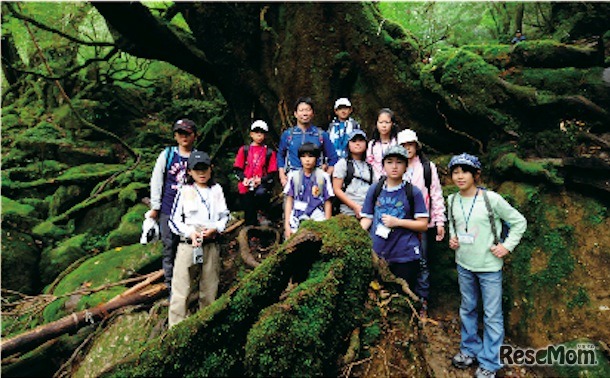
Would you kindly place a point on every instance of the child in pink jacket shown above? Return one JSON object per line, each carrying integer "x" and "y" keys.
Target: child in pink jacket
{"x": 418, "y": 168}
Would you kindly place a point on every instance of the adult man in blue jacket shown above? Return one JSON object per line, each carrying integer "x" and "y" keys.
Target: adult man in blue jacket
{"x": 304, "y": 131}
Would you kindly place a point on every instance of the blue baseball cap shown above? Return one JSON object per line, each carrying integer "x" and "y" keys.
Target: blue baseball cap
{"x": 355, "y": 133}
{"x": 465, "y": 159}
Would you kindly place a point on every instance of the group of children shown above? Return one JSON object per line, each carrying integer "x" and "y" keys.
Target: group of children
{"x": 386, "y": 182}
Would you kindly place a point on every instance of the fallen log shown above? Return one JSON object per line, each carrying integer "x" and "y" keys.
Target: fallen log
{"x": 33, "y": 338}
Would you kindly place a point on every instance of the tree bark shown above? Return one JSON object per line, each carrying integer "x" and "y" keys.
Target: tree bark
{"x": 263, "y": 55}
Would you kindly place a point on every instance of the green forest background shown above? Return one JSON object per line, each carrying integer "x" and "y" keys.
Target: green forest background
{"x": 86, "y": 110}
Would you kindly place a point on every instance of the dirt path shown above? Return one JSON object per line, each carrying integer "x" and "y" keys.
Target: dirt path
{"x": 438, "y": 343}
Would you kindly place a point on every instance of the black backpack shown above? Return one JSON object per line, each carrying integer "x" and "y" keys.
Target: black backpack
{"x": 350, "y": 174}
{"x": 408, "y": 190}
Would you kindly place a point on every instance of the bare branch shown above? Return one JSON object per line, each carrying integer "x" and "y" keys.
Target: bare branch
{"x": 50, "y": 29}
{"x": 88, "y": 62}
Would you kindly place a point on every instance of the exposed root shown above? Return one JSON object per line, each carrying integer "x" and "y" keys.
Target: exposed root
{"x": 244, "y": 246}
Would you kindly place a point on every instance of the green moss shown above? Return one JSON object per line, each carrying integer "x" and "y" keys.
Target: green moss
{"x": 496, "y": 55}
{"x": 595, "y": 212}
{"x": 49, "y": 231}
{"x": 599, "y": 370}
{"x": 117, "y": 341}
{"x": 104, "y": 268}
{"x": 54, "y": 261}
{"x": 19, "y": 262}
{"x": 509, "y": 164}
{"x": 129, "y": 194}
{"x": 580, "y": 299}
{"x": 18, "y": 215}
{"x": 101, "y": 219}
{"x": 129, "y": 229}
{"x": 64, "y": 198}
{"x": 328, "y": 303}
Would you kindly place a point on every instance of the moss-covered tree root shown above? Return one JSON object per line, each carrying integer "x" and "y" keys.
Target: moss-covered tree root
{"x": 251, "y": 331}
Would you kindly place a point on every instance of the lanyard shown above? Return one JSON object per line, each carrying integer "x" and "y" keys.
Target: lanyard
{"x": 467, "y": 218}
{"x": 205, "y": 203}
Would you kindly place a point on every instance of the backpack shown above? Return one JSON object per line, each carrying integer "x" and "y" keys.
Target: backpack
{"x": 350, "y": 174}
{"x": 408, "y": 187}
{"x": 267, "y": 157}
{"x": 317, "y": 174}
{"x": 289, "y": 140}
{"x": 505, "y": 225}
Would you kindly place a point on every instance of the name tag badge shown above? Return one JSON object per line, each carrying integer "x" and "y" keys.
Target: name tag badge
{"x": 300, "y": 205}
{"x": 382, "y": 231}
{"x": 465, "y": 238}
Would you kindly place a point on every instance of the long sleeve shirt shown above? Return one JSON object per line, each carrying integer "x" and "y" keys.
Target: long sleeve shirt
{"x": 162, "y": 192}
{"x": 199, "y": 207}
{"x": 415, "y": 175}
{"x": 293, "y": 138}
{"x": 338, "y": 132}
{"x": 473, "y": 219}
{"x": 374, "y": 155}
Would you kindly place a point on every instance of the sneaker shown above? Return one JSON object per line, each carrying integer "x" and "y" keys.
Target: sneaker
{"x": 462, "y": 361}
{"x": 484, "y": 373}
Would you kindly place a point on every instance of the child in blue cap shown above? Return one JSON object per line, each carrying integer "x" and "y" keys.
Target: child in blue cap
{"x": 475, "y": 215}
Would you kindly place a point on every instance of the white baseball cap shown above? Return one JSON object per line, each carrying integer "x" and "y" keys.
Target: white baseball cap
{"x": 258, "y": 124}
{"x": 407, "y": 135}
{"x": 342, "y": 102}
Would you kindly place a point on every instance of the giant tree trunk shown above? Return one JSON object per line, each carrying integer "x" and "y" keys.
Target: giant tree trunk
{"x": 264, "y": 56}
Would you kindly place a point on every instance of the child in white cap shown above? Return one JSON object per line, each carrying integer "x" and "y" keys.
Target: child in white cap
{"x": 341, "y": 126}
{"x": 256, "y": 167}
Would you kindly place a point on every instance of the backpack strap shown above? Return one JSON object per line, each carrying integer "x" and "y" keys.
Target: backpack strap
{"x": 411, "y": 198}
{"x": 408, "y": 188}
{"x": 349, "y": 176}
{"x": 490, "y": 213}
{"x": 317, "y": 176}
{"x": 378, "y": 188}
{"x": 427, "y": 177}
{"x": 169, "y": 156}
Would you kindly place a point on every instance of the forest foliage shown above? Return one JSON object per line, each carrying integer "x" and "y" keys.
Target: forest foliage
{"x": 83, "y": 121}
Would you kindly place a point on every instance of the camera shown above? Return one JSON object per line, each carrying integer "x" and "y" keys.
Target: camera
{"x": 251, "y": 185}
{"x": 198, "y": 254}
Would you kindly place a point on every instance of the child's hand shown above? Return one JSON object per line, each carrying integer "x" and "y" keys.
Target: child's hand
{"x": 287, "y": 234}
{"x": 257, "y": 181}
{"x": 454, "y": 243}
{"x": 440, "y": 232}
{"x": 357, "y": 209}
{"x": 499, "y": 250}
{"x": 389, "y": 221}
{"x": 246, "y": 182}
{"x": 209, "y": 233}
{"x": 194, "y": 237}
{"x": 283, "y": 178}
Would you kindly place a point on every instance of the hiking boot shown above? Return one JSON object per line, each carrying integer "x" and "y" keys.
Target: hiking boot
{"x": 462, "y": 361}
{"x": 484, "y": 373}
